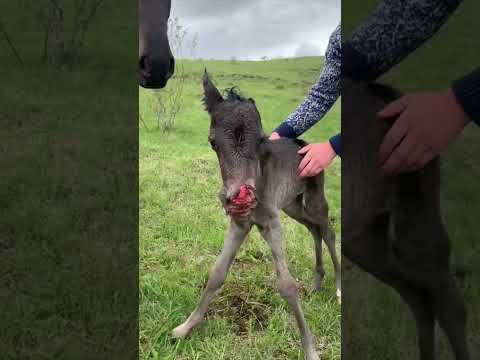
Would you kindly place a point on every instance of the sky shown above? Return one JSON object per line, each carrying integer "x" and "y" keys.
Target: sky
{"x": 252, "y": 29}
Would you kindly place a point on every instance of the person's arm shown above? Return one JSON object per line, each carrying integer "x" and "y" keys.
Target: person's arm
{"x": 317, "y": 157}
{"x": 467, "y": 92}
{"x": 336, "y": 144}
{"x": 390, "y": 33}
{"x": 322, "y": 96}
{"x": 427, "y": 123}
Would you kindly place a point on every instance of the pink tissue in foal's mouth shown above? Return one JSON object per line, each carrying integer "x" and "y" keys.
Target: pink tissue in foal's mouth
{"x": 245, "y": 196}
{"x": 243, "y": 202}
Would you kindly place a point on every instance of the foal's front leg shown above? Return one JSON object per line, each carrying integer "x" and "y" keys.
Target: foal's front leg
{"x": 272, "y": 233}
{"x": 234, "y": 239}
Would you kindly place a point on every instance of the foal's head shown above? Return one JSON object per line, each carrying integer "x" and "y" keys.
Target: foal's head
{"x": 235, "y": 135}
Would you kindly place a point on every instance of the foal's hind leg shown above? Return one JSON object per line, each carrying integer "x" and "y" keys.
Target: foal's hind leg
{"x": 316, "y": 208}
{"x": 432, "y": 270}
{"x": 329, "y": 237}
{"x": 371, "y": 251}
{"x": 451, "y": 313}
{"x": 419, "y": 304}
{"x": 287, "y": 286}
{"x": 319, "y": 268}
{"x": 297, "y": 212}
{"x": 324, "y": 231}
{"x": 320, "y": 229}
{"x": 234, "y": 239}
{"x": 437, "y": 299}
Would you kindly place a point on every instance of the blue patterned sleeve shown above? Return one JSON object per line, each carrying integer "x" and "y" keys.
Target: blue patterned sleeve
{"x": 391, "y": 32}
{"x": 322, "y": 96}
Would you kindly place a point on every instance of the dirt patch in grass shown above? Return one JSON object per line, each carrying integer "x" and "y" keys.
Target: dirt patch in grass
{"x": 236, "y": 304}
{"x": 251, "y": 259}
{"x": 244, "y": 306}
{"x": 240, "y": 304}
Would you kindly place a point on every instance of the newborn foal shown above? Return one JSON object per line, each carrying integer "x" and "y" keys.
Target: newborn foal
{"x": 259, "y": 180}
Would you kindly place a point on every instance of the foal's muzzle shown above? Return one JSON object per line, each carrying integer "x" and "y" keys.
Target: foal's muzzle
{"x": 242, "y": 203}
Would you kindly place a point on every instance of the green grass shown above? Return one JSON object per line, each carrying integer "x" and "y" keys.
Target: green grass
{"x": 68, "y": 217}
{"x": 182, "y": 227}
{"x": 384, "y": 329}
{"x": 68, "y": 228}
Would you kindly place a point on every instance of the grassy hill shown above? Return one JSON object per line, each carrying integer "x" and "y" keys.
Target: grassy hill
{"x": 182, "y": 227}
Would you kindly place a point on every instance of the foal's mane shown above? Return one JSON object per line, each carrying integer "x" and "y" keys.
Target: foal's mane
{"x": 233, "y": 94}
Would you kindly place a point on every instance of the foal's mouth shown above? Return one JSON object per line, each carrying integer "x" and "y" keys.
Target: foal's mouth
{"x": 242, "y": 204}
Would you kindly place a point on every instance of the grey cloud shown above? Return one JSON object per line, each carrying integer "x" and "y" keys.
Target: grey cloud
{"x": 252, "y": 29}
{"x": 307, "y": 49}
{"x": 209, "y": 8}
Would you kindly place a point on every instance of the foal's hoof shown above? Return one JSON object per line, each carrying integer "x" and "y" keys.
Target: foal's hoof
{"x": 318, "y": 284}
{"x": 312, "y": 355}
{"x": 180, "y": 332}
{"x": 310, "y": 348}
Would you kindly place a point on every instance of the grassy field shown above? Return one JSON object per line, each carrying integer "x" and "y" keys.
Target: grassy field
{"x": 182, "y": 227}
{"x": 384, "y": 329}
{"x": 68, "y": 216}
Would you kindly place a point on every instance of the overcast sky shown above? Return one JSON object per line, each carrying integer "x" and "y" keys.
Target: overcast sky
{"x": 251, "y": 29}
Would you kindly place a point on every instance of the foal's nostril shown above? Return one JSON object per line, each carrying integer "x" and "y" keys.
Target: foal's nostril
{"x": 232, "y": 194}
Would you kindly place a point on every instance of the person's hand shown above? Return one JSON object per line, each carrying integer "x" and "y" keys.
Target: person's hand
{"x": 317, "y": 158}
{"x": 274, "y": 136}
{"x": 427, "y": 123}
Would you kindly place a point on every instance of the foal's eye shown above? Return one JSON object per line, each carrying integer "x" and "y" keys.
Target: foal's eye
{"x": 212, "y": 143}
{"x": 238, "y": 134}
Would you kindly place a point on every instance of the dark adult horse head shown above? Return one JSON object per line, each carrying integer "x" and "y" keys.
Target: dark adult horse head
{"x": 156, "y": 62}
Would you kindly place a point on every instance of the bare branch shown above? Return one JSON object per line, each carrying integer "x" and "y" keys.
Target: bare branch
{"x": 58, "y": 8}
{"x": 143, "y": 122}
{"x": 76, "y": 24}
{"x": 94, "y": 10}
{"x": 81, "y": 27}
{"x": 10, "y": 43}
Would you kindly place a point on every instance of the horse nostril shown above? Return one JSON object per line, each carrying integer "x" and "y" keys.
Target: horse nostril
{"x": 171, "y": 69}
{"x": 144, "y": 65}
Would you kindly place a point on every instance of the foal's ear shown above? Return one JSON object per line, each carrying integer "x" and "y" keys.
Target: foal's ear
{"x": 212, "y": 96}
